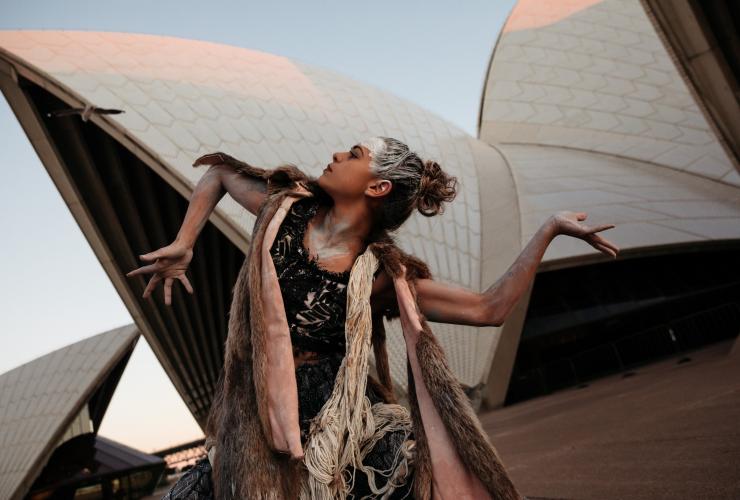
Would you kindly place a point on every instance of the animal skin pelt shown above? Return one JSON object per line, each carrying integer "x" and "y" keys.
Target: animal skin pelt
{"x": 454, "y": 461}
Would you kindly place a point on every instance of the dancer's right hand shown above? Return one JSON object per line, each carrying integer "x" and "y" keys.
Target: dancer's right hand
{"x": 170, "y": 264}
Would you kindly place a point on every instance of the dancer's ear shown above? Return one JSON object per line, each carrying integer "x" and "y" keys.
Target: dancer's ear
{"x": 378, "y": 187}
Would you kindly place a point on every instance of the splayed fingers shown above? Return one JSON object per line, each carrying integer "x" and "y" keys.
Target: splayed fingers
{"x": 169, "y": 278}
{"x": 170, "y": 264}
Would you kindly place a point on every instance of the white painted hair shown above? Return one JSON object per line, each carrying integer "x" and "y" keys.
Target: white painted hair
{"x": 388, "y": 160}
{"x": 416, "y": 183}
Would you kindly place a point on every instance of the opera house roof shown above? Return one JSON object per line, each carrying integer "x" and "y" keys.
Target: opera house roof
{"x": 591, "y": 113}
{"x": 54, "y": 397}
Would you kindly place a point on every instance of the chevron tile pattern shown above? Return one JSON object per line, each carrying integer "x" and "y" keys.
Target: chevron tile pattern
{"x": 594, "y": 75}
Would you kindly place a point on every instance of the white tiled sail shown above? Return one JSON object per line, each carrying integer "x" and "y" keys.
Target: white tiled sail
{"x": 591, "y": 114}
{"x": 41, "y": 398}
{"x": 650, "y": 205}
{"x": 594, "y": 75}
{"x": 183, "y": 98}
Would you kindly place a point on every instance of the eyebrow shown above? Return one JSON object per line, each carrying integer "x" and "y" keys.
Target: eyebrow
{"x": 362, "y": 153}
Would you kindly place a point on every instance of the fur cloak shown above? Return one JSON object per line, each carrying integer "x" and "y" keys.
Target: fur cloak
{"x": 454, "y": 457}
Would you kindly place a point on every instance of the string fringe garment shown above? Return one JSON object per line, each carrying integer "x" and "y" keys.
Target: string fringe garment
{"x": 348, "y": 425}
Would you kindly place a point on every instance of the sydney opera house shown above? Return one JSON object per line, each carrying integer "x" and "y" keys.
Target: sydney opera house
{"x": 624, "y": 109}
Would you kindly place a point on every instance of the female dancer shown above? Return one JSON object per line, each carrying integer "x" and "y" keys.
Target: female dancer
{"x": 362, "y": 196}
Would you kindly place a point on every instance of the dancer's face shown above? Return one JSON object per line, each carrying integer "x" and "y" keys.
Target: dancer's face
{"x": 349, "y": 176}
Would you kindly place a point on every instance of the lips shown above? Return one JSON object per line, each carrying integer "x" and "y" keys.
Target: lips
{"x": 328, "y": 167}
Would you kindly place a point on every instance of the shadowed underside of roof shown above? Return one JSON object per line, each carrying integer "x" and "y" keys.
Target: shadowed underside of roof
{"x": 90, "y": 458}
{"x": 135, "y": 211}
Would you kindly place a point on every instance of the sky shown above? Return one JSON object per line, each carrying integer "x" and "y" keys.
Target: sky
{"x": 53, "y": 290}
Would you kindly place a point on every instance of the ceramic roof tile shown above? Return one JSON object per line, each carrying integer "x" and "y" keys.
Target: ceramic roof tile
{"x": 594, "y": 75}
{"x": 41, "y": 396}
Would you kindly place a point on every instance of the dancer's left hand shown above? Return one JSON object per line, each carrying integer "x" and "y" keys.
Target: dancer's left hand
{"x": 569, "y": 223}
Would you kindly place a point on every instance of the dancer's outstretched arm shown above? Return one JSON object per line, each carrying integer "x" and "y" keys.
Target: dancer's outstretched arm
{"x": 219, "y": 179}
{"x": 445, "y": 303}
{"x": 171, "y": 262}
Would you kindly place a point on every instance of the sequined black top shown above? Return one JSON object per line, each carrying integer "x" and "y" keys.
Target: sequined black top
{"x": 315, "y": 298}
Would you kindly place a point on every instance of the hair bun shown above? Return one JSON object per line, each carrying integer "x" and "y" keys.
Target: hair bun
{"x": 435, "y": 188}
